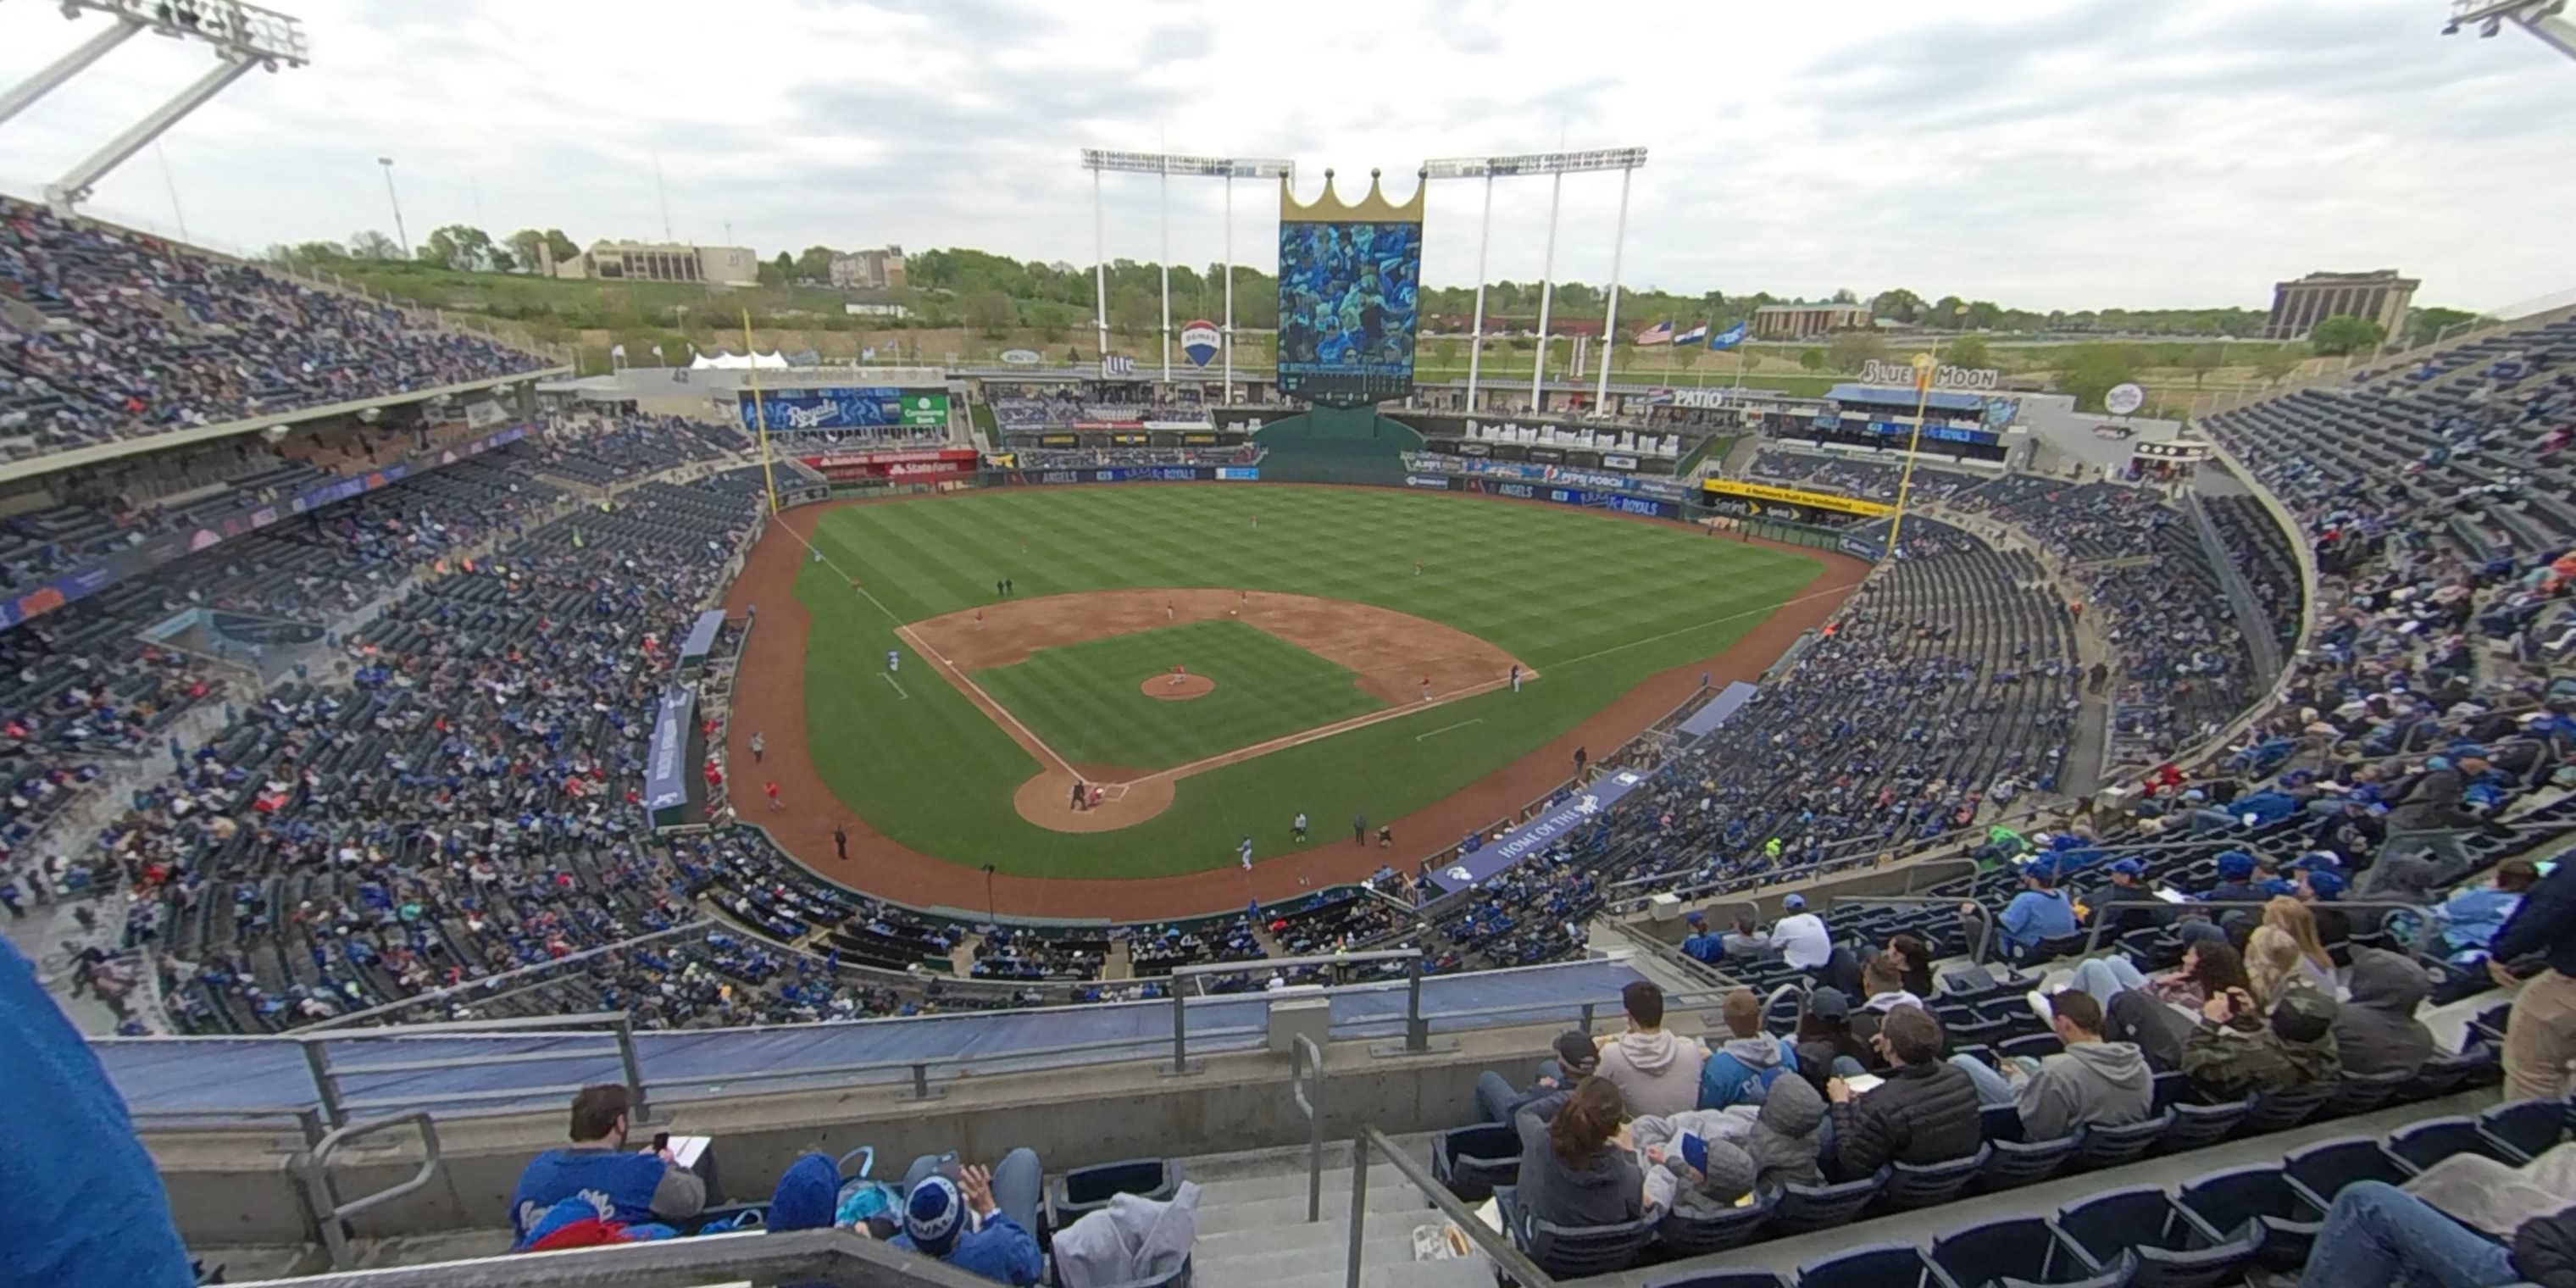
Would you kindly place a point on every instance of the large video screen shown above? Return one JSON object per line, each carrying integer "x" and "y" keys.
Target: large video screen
{"x": 1347, "y": 310}
{"x": 876, "y": 407}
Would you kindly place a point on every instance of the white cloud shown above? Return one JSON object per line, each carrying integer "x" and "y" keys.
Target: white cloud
{"x": 2046, "y": 153}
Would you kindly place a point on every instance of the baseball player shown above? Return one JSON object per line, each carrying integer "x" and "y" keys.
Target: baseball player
{"x": 894, "y": 659}
{"x": 758, "y": 745}
{"x": 1167, "y": 611}
{"x": 1426, "y": 688}
{"x": 1245, "y": 851}
{"x": 1179, "y": 673}
{"x": 1298, "y": 828}
{"x": 979, "y": 619}
{"x": 1080, "y": 793}
{"x": 1417, "y": 567}
{"x": 771, "y": 789}
{"x": 1516, "y": 677}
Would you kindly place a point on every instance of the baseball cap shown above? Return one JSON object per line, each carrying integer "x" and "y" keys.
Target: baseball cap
{"x": 1829, "y": 1003}
{"x": 1575, "y": 1052}
{"x": 1795, "y": 903}
{"x": 2314, "y": 859}
{"x": 2326, "y": 882}
{"x": 1695, "y": 1152}
{"x": 2303, "y": 1015}
{"x": 2129, "y": 867}
{"x": 933, "y": 1214}
{"x": 1696, "y": 919}
{"x": 2235, "y": 864}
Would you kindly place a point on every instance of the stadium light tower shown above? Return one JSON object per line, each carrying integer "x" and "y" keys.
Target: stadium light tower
{"x": 243, "y": 36}
{"x": 2545, "y": 19}
{"x": 1164, "y": 165}
{"x": 1556, "y": 165}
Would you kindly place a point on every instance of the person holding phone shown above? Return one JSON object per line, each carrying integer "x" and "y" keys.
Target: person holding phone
{"x": 980, "y": 1221}
{"x": 636, "y": 1190}
{"x": 2238, "y": 1047}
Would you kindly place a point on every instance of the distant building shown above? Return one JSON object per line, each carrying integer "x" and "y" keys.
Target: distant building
{"x": 1799, "y": 321}
{"x": 869, "y": 270}
{"x": 664, "y": 262}
{"x": 876, "y": 310}
{"x": 2380, "y": 296}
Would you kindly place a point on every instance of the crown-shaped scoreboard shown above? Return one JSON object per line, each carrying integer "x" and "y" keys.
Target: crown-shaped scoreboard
{"x": 1350, "y": 278}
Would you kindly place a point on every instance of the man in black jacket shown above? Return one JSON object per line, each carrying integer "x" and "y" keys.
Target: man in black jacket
{"x": 1925, "y": 1112}
{"x": 2540, "y": 1035}
{"x": 2429, "y": 818}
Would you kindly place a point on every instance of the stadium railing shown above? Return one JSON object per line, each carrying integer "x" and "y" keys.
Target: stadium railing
{"x": 2093, "y": 938}
{"x": 823, "y": 1258}
{"x": 1508, "y": 1261}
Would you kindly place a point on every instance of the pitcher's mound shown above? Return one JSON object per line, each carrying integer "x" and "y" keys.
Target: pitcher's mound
{"x": 1191, "y": 686}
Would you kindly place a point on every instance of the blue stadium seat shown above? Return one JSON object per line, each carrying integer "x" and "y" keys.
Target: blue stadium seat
{"x": 2525, "y": 1129}
{"x": 1911, "y": 1185}
{"x": 2320, "y": 1172}
{"x": 2225, "y": 1202}
{"x": 2036, "y": 1046}
{"x": 1723, "y": 1279}
{"x": 2099, "y": 1147}
{"x": 1801, "y": 1208}
{"x": 2018, "y": 1250}
{"x": 2198, "y": 1125}
{"x": 2417, "y": 1146}
{"x": 2015, "y": 1162}
{"x": 2444, "y": 1074}
{"x": 2277, "y": 1110}
{"x": 1573, "y": 1252}
{"x": 1694, "y": 1234}
{"x": 1471, "y": 1161}
{"x": 1885, "y": 1265}
{"x": 2359, "y": 1093}
{"x": 2171, "y": 1249}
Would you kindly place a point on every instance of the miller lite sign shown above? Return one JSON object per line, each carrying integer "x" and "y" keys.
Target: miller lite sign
{"x": 1199, "y": 341}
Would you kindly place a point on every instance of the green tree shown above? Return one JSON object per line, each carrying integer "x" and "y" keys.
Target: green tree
{"x": 1854, "y": 349}
{"x": 814, "y": 264}
{"x": 1811, "y": 358}
{"x": 2276, "y": 363}
{"x": 2089, "y": 371}
{"x": 2201, "y": 360}
{"x": 2344, "y": 333}
{"x": 1446, "y": 350}
{"x": 1845, "y": 295}
{"x": 2429, "y": 324}
{"x": 461, "y": 247}
{"x": 989, "y": 311}
{"x": 1898, "y": 303}
{"x": 370, "y": 244}
{"x": 528, "y": 246}
{"x": 1968, "y": 351}
{"x": 1133, "y": 310}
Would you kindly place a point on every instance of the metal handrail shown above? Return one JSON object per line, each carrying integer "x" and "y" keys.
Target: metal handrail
{"x": 489, "y": 983}
{"x": 2093, "y": 940}
{"x": 336, "y": 1106}
{"x": 1416, "y": 1029}
{"x": 1306, "y": 1087}
{"x": 1515, "y": 1267}
{"x": 313, "y": 1173}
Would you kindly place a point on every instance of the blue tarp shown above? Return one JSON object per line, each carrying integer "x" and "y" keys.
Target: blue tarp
{"x": 702, "y": 636}
{"x": 666, "y": 783}
{"x": 1534, "y": 837}
{"x": 1705, "y": 721}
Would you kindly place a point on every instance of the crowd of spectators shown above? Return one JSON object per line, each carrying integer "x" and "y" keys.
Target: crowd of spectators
{"x": 108, "y": 335}
{"x": 1865, "y": 479}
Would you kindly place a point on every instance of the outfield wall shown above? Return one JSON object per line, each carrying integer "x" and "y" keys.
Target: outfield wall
{"x": 1336, "y": 445}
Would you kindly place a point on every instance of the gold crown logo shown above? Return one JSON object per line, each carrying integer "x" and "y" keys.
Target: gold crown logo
{"x": 1330, "y": 208}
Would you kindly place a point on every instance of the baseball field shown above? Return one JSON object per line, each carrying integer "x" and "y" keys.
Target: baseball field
{"x": 1212, "y": 660}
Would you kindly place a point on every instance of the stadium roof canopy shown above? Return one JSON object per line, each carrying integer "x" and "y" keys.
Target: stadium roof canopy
{"x": 1877, "y": 395}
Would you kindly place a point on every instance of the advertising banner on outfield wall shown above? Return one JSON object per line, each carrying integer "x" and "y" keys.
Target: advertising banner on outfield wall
{"x": 1536, "y": 836}
{"x": 909, "y": 467}
{"x": 1137, "y": 474}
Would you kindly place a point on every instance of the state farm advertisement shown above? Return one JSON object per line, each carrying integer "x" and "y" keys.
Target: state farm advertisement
{"x": 899, "y": 467}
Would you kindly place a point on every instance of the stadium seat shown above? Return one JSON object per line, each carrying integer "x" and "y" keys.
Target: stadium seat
{"x": 2359, "y": 1093}
{"x": 1801, "y": 1208}
{"x": 2417, "y": 1146}
{"x": 2098, "y": 1147}
{"x": 2036, "y": 1046}
{"x": 1885, "y": 1265}
{"x": 2198, "y": 1125}
{"x": 1085, "y": 1190}
{"x": 2525, "y": 1129}
{"x": 2275, "y": 1110}
{"x": 1573, "y": 1252}
{"x": 1723, "y": 1279}
{"x": 2171, "y": 1249}
{"x": 1471, "y": 1161}
{"x": 1683, "y": 1234}
{"x": 2320, "y": 1172}
{"x": 2444, "y": 1074}
{"x": 2019, "y": 1250}
{"x": 1911, "y": 1185}
{"x": 2225, "y": 1202}
{"x": 2015, "y": 1162}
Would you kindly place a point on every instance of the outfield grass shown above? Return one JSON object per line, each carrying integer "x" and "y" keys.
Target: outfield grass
{"x": 1595, "y": 603}
{"x": 1083, "y": 700}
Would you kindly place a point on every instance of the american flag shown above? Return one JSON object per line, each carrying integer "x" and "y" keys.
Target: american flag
{"x": 1659, "y": 333}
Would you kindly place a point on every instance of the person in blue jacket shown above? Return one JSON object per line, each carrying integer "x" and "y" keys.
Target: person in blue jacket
{"x": 635, "y": 1190}
{"x": 85, "y": 1205}
{"x": 957, "y": 1219}
{"x": 2040, "y": 911}
{"x": 1699, "y": 945}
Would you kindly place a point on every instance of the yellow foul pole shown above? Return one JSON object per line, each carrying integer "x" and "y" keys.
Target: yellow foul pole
{"x": 1924, "y": 365}
{"x": 760, "y": 417}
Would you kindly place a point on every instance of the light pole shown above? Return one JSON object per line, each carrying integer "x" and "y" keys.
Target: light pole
{"x": 1163, "y": 166}
{"x": 401, "y": 238}
{"x": 1530, "y": 165}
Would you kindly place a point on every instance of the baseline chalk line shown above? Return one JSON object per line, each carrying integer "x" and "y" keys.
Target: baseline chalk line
{"x": 1446, "y": 728}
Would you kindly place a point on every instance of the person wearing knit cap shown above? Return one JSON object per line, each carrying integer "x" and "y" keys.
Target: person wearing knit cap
{"x": 958, "y": 1219}
{"x": 1576, "y": 1059}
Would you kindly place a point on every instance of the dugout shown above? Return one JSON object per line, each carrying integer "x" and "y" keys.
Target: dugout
{"x": 1336, "y": 445}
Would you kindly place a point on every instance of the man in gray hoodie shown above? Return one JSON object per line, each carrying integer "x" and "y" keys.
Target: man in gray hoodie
{"x": 2090, "y": 1082}
{"x": 2376, "y": 1031}
{"x": 1656, "y": 1072}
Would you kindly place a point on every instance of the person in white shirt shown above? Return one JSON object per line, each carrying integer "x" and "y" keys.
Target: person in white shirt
{"x": 1800, "y": 936}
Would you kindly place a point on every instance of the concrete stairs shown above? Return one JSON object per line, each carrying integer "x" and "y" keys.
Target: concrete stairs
{"x": 1253, "y": 1227}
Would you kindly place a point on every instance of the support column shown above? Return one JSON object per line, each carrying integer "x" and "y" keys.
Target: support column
{"x": 1610, "y": 327}
{"x": 1476, "y": 342}
{"x": 1099, "y": 271}
{"x": 62, "y": 69}
{"x": 1228, "y": 394}
{"x": 1163, "y": 200}
{"x": 1546, "y": 296}
{"x": 76, "y": 183}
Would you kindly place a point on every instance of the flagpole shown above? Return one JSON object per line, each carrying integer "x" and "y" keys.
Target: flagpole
{"x": 760, "y": 416}
{"x": 1924, "y": 365}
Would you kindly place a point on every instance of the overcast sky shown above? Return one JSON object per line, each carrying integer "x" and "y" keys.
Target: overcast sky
{"x": 2041, "y": 153}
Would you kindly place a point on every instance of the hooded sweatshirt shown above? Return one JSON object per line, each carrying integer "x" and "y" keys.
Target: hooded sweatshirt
{"x": 1674, "y": 1184}
{"x": 1783, "y": 1141}
{"x": 2104, "y": 1084}
{"x": 1604, "y": 1189}
{"x": 1655, "y": 1072}
{"x": 1742, "y": 1071}
{"x": 2376, "y": 1030}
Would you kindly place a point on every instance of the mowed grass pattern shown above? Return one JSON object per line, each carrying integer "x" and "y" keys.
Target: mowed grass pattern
{"x": 1596, "y": 602}
{"x": 1084, "y": 699}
